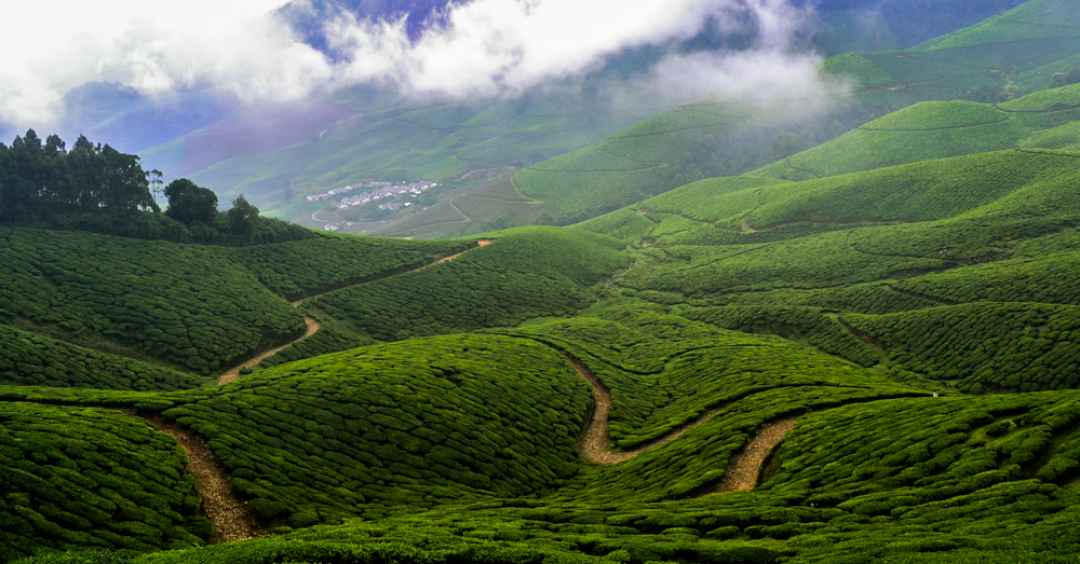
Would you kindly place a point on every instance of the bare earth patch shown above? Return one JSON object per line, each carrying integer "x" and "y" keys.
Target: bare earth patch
{"x": 232, "y": 519}
{"x": 233, "y": 374}
{"x": 744, "y": 472}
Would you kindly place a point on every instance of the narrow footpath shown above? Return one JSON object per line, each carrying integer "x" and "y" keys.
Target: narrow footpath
{"x": 745, "y": 470}
{"x": 233, "y": 374}
{"x": 313, "y": 326}
{"x": 232, "y": 519}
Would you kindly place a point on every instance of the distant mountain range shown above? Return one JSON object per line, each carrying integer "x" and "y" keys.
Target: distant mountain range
{"x": 196, "y": 130}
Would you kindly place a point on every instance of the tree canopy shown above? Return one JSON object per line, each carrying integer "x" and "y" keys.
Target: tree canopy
{"x": 41, "y": 178}
{"x": 242, "y": 217}
{"x": 190, "y": 203}
{"x": 94, "y": 187}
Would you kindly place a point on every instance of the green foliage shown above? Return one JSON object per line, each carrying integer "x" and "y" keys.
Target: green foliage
{"x": 29, "y": 359}
{"x": 809, "y": 325}
{"x": 984, "y": 346}
{"x": 190, "y": 203}
{"x": 299, "y": 269}
{"x": 242, "y": 217}
{"x": 526, "y": 273}
{"x": 96, "y": 188}
{"x": 187, "y": 305}
{"x": 38, "y": 179}
{"x": 393, "y": 427}
{"x": 81, "y": 478}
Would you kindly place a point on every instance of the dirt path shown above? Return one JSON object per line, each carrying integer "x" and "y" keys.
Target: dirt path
{"x": 231, "y": 518}
{"x": 479, "y": 245}
{"x": 744, "y": 471}
{"x": 313, "y": 326}
{"x": 233, "y": 374}
{"x": 596, "y": 445}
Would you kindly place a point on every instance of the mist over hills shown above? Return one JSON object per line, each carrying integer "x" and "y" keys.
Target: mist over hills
{"x": 669, "y": 293}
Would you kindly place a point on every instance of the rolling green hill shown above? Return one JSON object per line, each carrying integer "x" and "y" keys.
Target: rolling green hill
{"x": 90, "y": 478}
{"x": 712, "y": 140}
{"x": 867, "y": 351}
{"x": 198, "y": 308}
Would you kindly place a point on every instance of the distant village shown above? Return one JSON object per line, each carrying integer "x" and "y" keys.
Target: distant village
{"x": 393, "y": 195}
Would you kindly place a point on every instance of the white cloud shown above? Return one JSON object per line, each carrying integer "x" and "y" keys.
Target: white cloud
{"x": 786, "y": 85}
{"x": 485, "y": 48}
{"x": 490, "y": 47}
{"x": 48, "y": 47}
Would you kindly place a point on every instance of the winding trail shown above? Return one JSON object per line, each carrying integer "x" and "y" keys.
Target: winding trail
{"x": 745, "y": 470}
{"x": 233, "y": 374}
{"x": 743, "y": 473}
{"x": 232, "y": 519}
{"x": 313, "y": 326}
{"x": 596, "y": 444}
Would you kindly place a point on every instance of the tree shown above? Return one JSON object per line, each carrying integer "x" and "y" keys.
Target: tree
{"x": 242, "y": 217}
{"x": 85, "y": 174}
{"x": 127, "y": 188}
{"x": 190, "y": 203}
{"x": 28, "y": 175}
{"x": 7, "y": 177}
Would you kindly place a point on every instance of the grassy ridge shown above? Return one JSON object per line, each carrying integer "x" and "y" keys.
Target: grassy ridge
{"x": 81, "y": 478}
{"x": 303, "y": 268}
{"x": 931, "y": 130}
{"x": 960, "y": 470}
{"x": 28, "y": 359}
{"x": 526, "y": 273}
{"x": 660, "y": 381}
{"x": 1034, "y": 19}
{"x": 984, "y": 346}
{"x": 200, "y": 308}
{"x": 690, "y": 143}
{"x": 393, "y": 427}
{"x": 186, "y": 305}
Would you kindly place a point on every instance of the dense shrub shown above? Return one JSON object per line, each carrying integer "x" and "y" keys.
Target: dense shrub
{"x": 390, "y": 427}
{"x": 187, "y": 305}
{"x": 527, "y": 273}
{"x": 81, "y": 478}
{"x": 29, "y": 359}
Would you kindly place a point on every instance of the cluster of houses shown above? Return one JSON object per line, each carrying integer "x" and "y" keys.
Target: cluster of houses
{"x": 391, "y": 196}
{"x": 402, "y": 189}
{"x": 373, "y": 191}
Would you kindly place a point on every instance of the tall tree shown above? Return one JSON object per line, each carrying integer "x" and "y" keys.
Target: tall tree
{"x": 189, "y": 203}
{"x": 29, "y": 174}
{"x": 85, "y": 174}
{"x": 7, "y": 177}
{"x": 242, "y": 217}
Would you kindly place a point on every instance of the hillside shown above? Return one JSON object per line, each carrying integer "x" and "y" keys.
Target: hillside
{"x": 579, "y": 133}
{"x": 709, "y": 140}
{"x": 867, "y": 350}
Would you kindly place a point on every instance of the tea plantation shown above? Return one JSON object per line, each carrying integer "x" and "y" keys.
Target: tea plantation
{"x": 863, "y": 349}
{"x": 81, "y": 478}
{"x": 532, "y": 272}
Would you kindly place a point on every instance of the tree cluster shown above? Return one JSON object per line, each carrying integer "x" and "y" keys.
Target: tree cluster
{"x": 39, "y": 177}
{"x": 95, "y": 187}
